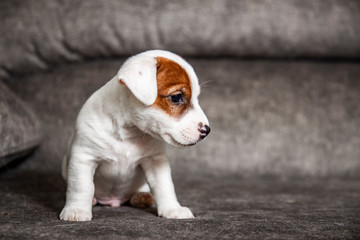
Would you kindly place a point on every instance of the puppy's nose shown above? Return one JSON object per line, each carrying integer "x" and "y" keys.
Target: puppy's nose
{"x": 204, "y": 131}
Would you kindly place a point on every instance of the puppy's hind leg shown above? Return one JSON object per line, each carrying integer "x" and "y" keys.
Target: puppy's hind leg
{"x": 143, "y": 198}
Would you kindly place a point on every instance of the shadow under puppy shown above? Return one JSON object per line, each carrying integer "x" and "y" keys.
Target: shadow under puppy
{"x": 117, "y": 154}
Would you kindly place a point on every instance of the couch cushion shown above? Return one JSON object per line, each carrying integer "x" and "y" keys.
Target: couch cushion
{"x": 267, "y": 117}
{"x": 224, "y": 208}
{"x": 19, "y": 127}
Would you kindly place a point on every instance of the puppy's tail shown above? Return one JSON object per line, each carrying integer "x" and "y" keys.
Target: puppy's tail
{"x": 65, "y": 162}
{"x": 64, "y": 167}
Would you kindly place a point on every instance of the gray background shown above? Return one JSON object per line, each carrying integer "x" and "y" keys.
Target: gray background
{"x": 280, "y": 86}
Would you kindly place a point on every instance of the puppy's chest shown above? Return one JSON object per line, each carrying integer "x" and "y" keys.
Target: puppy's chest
{"x": 118, "y": 160}
{"x": 122, "y": 157}
{"x": 129, "y": 151}
{"x": 124, "y": 146}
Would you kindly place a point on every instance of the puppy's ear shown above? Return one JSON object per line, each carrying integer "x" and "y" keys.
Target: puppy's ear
{"x": 138, "y": 74}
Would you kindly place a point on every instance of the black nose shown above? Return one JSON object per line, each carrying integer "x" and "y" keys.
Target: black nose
{"x": 204, "y": 131}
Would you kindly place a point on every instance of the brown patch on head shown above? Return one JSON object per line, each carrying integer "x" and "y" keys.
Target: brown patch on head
{"x": 172, "y": 80}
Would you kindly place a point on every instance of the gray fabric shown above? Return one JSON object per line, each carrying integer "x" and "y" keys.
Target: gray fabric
{"x": 224, "y": 208}
{"x": 268, "y": 118}
{"x": 39, "y": 34}
{"x": 19, "y": 128}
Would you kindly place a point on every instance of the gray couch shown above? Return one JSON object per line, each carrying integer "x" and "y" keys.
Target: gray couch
{"x": 280, "y": 86}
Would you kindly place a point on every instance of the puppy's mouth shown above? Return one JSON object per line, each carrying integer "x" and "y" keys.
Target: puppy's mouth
{"x": 179, "y": 144}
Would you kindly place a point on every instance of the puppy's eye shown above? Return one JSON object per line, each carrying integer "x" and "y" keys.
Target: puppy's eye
{"x": 177, "y": 99}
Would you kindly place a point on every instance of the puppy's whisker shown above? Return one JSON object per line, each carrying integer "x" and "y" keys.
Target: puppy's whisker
{"x": 206, "y": 82}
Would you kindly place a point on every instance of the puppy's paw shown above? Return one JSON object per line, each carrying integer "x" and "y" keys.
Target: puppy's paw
{"x": 176, "y": 213}
{"x": 75, "y": 214}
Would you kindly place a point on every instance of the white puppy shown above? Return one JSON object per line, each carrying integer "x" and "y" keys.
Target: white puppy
{"x": 117, "y": 147}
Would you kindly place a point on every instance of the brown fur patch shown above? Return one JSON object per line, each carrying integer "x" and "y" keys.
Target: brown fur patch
{"x": 172, "y": 79}
{"x": 142, "y": 200}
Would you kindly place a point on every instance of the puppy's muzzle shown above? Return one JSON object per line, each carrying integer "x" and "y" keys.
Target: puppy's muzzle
{"x": 204, "y": 131}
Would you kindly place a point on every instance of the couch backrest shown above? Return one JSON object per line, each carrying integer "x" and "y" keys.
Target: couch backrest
{"x": 40, "y": 34}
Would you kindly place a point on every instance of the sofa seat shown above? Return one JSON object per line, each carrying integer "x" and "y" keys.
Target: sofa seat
{"x": 227, "y": 207}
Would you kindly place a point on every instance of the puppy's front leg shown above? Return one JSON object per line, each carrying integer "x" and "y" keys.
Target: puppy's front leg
{"x": 158, "y": 175}
{"x": 80, "y": 190}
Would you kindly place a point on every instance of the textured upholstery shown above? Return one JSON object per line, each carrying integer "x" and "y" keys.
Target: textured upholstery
{"x": 38, "y": 34}
{"x": 282, "y": 159}
{"x": 224, "y": 208}
{"x": 19, "y": 127}
{"x": 268, "y": 118}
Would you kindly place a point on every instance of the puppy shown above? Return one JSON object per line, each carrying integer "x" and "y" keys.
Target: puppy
{"x": 116, "y": 153}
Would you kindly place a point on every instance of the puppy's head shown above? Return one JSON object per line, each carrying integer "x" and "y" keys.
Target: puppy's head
{"x": 165, "y": 104}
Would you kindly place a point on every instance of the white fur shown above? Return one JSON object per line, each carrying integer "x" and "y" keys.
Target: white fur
{"x": 117, "y": 146}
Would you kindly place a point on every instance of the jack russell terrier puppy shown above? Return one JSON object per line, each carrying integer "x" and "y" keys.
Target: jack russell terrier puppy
{"x": 117, "y": 154}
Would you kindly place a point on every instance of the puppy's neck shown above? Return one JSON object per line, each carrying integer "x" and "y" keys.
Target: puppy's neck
{"x": 118, "y": 105}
